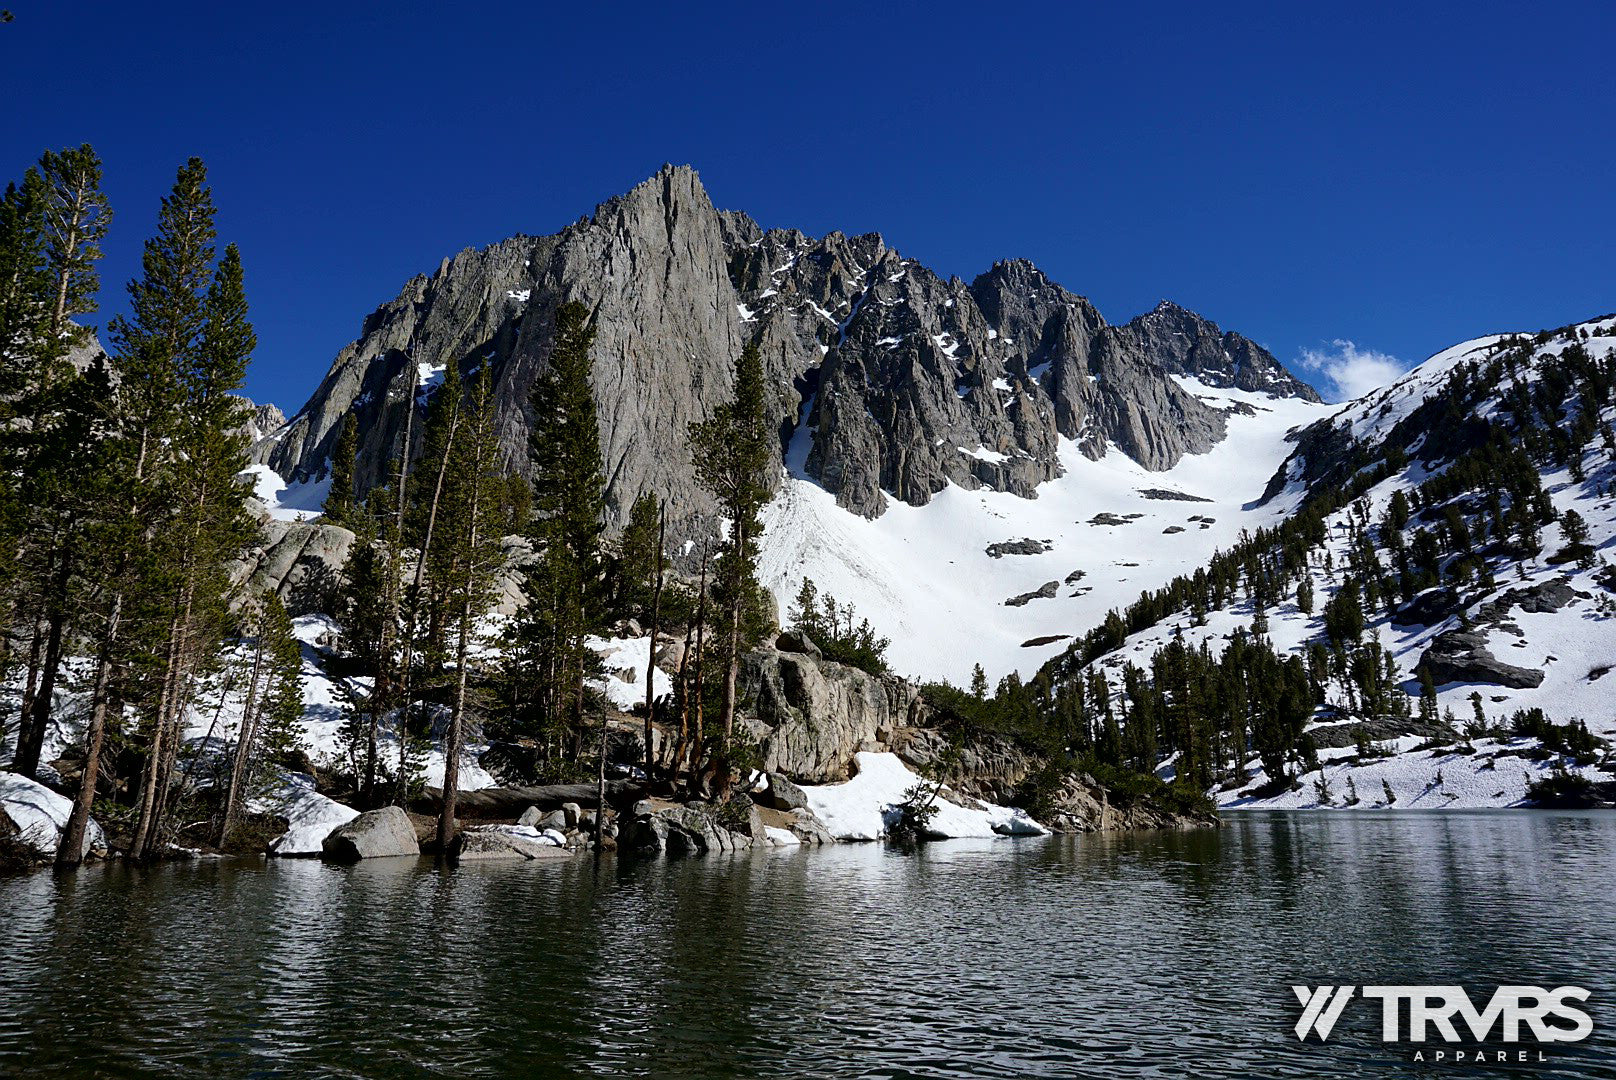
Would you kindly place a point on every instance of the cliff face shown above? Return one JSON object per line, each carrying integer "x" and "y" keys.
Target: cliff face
{"x": 905, "y": 381}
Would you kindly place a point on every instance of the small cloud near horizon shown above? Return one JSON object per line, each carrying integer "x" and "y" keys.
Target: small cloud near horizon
{"x": 1352, "y": 370}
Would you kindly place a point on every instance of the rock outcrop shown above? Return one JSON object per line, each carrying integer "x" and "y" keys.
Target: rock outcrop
{"x": 896, "y": 380}
{"x": 1081, "y": 805}
{"x": 813, "y": 716}
{"x": 300, "y": 561}
{"x": 1462, "y": 656}
{"x": 986, "y": 766}
{"x": 688, "y": 830}
{"x": 375, "y": 834}
{"x": 32, "y": 818}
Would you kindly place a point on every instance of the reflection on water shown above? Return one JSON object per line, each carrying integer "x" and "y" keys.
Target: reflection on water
{"x": 1115, "y": 956}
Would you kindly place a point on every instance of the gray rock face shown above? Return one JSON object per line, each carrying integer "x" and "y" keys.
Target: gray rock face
{"x": 1024, "y": 546}
{"x": 1462, "y": 656}
{"x": 375, "y": 834}
{"x": 814, "y": 716}
{"x": 805, "y": 826}
{"x": 895, "y": 380}
{"x": 1184, "y": 343}
{"x": 1378, "y": 729}
{"x": 300, "y": 561}
{"x": 1545, "y": 596}
{"x": 652, "y": 267}
{"x": 782, "y": 794}
{"x": 795, "y": 641}
{"x": 988, "y": 767}
{"x": 1080, "y": 805}
{"x": 1428, "y": 608}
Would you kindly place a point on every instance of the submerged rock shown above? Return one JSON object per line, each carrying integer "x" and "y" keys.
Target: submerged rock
{"x": 491, "y": 842}
{"x": 375, "y": 834}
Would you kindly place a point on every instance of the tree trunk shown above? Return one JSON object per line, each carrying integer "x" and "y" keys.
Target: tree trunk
{"x": 25, "y": 715}
{"x": 70, "y": 244}
{"x": 31, "y": 736}
{"x": 152, "y": 775}
{"x": 699, "y": 726}
{"x": 732, "y": 669}
{"x": 650, "y": 656}
{"x": 244, "y": 743}
{"x": 70, "y": 850}
{"x": 451, "y": 749}
{"x": 600, "y": 781}
{"x": 382, "y": 691}
{"x": 402, "y": 788}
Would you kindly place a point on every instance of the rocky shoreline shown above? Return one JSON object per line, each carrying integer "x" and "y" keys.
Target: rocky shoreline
{"x": 839, "y": 752}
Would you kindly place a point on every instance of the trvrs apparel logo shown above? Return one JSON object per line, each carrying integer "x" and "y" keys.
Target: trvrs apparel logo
{"x": 1436, "y": 1007}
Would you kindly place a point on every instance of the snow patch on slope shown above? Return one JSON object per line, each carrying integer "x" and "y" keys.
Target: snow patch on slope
{"x": 866, "y": 806}
{"x": 922, "y": 577}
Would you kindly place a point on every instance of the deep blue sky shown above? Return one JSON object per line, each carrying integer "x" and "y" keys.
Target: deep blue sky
{"x": 1401, "y": 178}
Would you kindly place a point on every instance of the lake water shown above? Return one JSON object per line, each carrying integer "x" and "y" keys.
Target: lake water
{"x": 1107, "y": 956}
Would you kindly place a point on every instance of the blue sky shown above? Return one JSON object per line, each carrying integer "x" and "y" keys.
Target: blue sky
{"x": 1398, "y": 178}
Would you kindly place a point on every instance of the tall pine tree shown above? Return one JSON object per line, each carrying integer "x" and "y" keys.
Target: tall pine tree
{"x": 732, "y": 452}
{"x": 566, "y": 593}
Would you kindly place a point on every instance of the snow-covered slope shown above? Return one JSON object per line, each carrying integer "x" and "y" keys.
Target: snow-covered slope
{"x": 924, "y": 578}
{"x": 1574, "y": 646}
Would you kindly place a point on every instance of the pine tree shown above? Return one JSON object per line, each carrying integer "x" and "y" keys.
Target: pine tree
{"x": 565, "y": 592}
{"x": 25, "y": 290}
{"x": 209, "y": 526}
{"x": 641, "y": 561}
{"x": 270, "y": 710}
{"x": 732, "y": 453}
{"x": 472, "y": 514}
{"x": 660, "y": 564}
{"x": 76, "y": 219}
{"x": 165, "y": 511}
{"x": 31, "y": 539}
{"x": 979, "y": 683}
{"x": 153, "y": 343}
{"x": 339, "y": 499}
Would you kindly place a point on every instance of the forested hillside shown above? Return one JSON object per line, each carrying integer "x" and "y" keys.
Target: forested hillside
{"x": 1440, "y": 579}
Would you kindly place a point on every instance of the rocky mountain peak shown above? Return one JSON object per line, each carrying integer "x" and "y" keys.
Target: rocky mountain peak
{"x": 895, "y": 381}
{"x": 1185, "y": 343}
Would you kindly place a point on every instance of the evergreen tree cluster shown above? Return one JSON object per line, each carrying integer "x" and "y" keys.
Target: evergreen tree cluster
{"x": 122, "y": 503}
{"x": 832, "y": 626}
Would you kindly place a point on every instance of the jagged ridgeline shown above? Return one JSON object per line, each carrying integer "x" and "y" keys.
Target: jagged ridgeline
{"x": 907, "y": 382}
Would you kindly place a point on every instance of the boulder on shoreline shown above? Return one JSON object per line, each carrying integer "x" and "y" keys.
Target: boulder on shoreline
{"x": 32, "y": 816}
{"x": 375, "y": 834}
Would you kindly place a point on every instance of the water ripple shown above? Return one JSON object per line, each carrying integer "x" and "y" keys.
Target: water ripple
{"x": 1105, "y": 956}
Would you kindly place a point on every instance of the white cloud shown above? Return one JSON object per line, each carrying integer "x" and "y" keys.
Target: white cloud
{"x": 1353, "y": 371}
